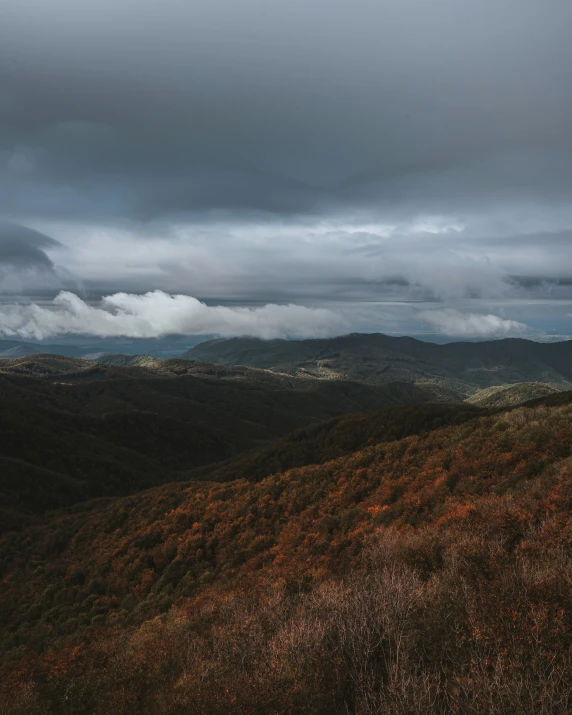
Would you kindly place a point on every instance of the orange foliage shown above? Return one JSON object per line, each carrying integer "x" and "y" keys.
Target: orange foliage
{"x": 478, "y": 517}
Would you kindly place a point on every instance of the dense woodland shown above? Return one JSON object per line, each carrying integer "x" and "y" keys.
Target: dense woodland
{"x": 408, "y": 560}
{"x": 71, "y": 430}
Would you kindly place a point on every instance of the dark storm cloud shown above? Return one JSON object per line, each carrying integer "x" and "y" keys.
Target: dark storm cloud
{"x": 25, "y": 266}
{"x": 21, "y": 247}
{"x": 146, "y": 108}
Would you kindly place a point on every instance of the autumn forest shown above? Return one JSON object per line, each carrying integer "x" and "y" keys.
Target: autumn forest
{"x": 320, "y": 557}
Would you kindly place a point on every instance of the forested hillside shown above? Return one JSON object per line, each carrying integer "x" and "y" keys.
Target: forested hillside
{"x": 426, "y": 570}
{"x": 71, "y": 430}
{"x": 508, "y": 395}
{"x": 325, "y": 441}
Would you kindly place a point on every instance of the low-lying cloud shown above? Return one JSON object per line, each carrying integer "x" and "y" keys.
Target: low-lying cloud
{"x": 156, "y": 314}
{"x": 471, "y": 325}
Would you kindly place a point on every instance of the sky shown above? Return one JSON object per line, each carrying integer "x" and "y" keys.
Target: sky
{"x": 286, "y": 169}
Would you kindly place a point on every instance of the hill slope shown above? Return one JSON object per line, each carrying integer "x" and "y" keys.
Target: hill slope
{"x": 430, "y": 573}
{"x": 71, "y": 430}
{"x": 326, "y": 441}
{"x": 121, "y": 360}
{"x": 507, "y": 396}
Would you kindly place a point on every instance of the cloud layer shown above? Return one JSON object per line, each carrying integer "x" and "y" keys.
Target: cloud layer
{"x": 288, "y": 152}
{"x": 158, "y": 314}
{"x": 471, "y": 325}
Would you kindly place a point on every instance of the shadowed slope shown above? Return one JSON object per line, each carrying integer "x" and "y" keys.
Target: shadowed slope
{"x": 325, "y": 441}
{"x": 101, "y": 430}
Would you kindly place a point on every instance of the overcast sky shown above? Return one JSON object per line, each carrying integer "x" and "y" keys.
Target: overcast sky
{"x": 291, "y": 168}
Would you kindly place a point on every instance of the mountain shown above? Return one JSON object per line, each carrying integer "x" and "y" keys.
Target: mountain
{"x": 377, "y": 358}
{"x": 71, "y": 430}
{"x": 423, "y": 568}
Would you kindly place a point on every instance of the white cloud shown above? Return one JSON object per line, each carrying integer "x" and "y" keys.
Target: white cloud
{"x": 156, "y": 314}
{"x": 471, "y": 325}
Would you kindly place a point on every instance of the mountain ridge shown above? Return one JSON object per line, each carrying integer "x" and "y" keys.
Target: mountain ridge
{"x": 376, "y": 358}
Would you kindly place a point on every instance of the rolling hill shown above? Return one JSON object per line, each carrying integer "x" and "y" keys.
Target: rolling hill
{"x": 121, "y": 360}
{"x": 506, "y": 396}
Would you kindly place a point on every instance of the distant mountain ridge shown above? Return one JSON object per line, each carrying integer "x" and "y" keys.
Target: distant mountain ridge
{"x": 377, "y": 358}
{"x": 16, "y": 349}
{"x": 458, "y": 369}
